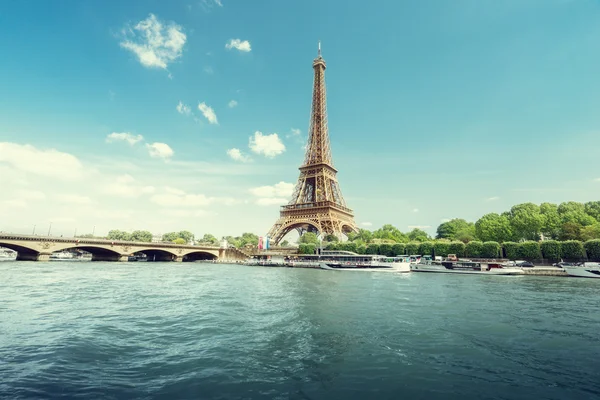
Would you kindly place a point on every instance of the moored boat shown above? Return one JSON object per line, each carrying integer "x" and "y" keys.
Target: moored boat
{"x": 61, "y": 255}
{"x": 464, "y": 267}
{"x": 347, "y": 260}
{"x": 584, "y": 270}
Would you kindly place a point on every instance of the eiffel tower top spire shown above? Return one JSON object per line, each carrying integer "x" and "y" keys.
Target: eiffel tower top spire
{"x": 318, "y": 149}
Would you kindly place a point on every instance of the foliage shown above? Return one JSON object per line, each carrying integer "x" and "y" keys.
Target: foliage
{"x": 526, "y": 221}
{"x": 309, "y": 237}
{"x": 490, "y": 249}
{"x": 348, "y": 246}
{"x": 385, "y": 249}
{"x": 493, "y": 227}
{"x": 372, "y": 248}
{"x": 592, "y": 208}
{"x": 331, "y": 238}
{"x": 285, "y": 243}
{"x": 425, "y": 249}
{"x": 441, "y": 248}
{"x": 570, "y": 231}
{"x": 179, "y": 241}
{"x": 572, "y": 250}
{"x": 529, "y": 250}
{"x": 361, "y": 249}
{"x": 551, "y": 250}
{"x": 572, "y": 211}
{"x": 474, "y": 249}
{"x": 457, "y": 248}
{"x": 412, "y": 248}
{"x": 592, "y": 247}
{"x": 390, "y": 232}
{"x": 187, "y": 236}
{"x": 398, "y": 249}
{"x": 551, "y": 220}
{"x": 116, "y": 234}
{"x": 455, "y": 229}
{"x": 510, "y": 250}
{"x": 590, "y": 232}
{"x": 209, "y": 239}
{"x": 307, "y": 248}
{"x": 418, "y": 235}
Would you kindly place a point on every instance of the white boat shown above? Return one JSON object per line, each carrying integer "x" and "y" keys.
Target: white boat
{"x": 585, "y": 270}
{"x": 61, "y": 255}
{"x": 464, "y": 267}
{"x": 349, "y": 261}
{"x": 7, "y": 255}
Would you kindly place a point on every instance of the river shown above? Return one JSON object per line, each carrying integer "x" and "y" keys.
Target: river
{"x": 216, "y": 331}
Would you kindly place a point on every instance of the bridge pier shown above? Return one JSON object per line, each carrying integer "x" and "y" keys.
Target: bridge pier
{"x": 178, "y": 259}
{"x": 22, "y": 256}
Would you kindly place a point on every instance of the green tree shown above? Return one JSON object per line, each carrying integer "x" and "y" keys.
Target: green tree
{"x": 412, "y": 248}
{"x": 332, "y": 238}
{"x": 592, "y": 247}
{"x": 572, "y": 211}
{"x": 179, "y": 241}
{"x": 309, "y": 237}
{"x": 306, "y": 248}
{"x": 390, "y": 232}
{"x": 551, "y": 250}
{"x": 455, "y": 228}
{"x": 573, "y": 250}
{"x": 425, "y": 249}
{"x": 457, "y": 248}
{"x": 209, "y": 239}
{"x": 116, "y": 234}
{"x": 385, "y": 249}
{"x": 529, "y": 250}
{"x": 186, "y": 235}
{"x": 551, "y": 220}
{"x": 418, "y": 235}
{"x": 285, "y": 243}
{"x": 493, "y": 227}
{"x": 141, "y": 236}
{"x": 361, "y": 249}
{"x": 592, "y": 208}
{"x": 526, "y": 221}
{"x": 398, "y": 248}
{"x": 511, "y": 250}
{"x": 441, "y": 248}
{"x": 248, "y": 239}
{"x": 372, "y": 248}
{"x": 348, "y": 246}
{"x": 490, "y": 250}
{"x": 570, "y": 231}
{"x": 474, "y": 249}
{"x": 590, "y": 232}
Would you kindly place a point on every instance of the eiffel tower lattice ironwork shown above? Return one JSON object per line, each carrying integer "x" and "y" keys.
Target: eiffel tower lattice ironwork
{"x": 317, "y": 204}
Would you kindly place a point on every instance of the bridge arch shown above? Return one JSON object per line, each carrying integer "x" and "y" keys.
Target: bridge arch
{"x": 199, "y": 255}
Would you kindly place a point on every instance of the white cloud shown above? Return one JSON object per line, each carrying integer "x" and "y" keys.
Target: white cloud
{"x": 232, "y": 104}
{"x": 419, "y": 226}
{"x": 208, "y": 113}
{"x": 124, "y": 137}
{"x": 237, "y": 155}
{"x": 208, "y": 70}
{"x": 494, "y": 198}
{"x": 366, "y": 223}
{"x": 183, "y": 109}
{"x": 49, "y": 163}
{"x": 273, "y": 195}
{"x": 126, "y": 186}
{"x": 30, "y": 194}
{"x": 160, "y": 150}
{"x": 415, "y": 210}
{"x": 155, "y": 44}
{"x": 218, "y": 2}
{"x": 296, "y": 131}
{"x": 445, "y": 220}
{"x": 267, "y": 145}
{"x": 241, "y": 45}
{"x": 172, "y": 197}
{"x": 72, "y": 199}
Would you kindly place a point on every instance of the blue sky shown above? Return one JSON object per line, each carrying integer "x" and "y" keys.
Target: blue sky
{"x": 437, "y": 109}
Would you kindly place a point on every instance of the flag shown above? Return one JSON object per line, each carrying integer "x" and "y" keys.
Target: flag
{"x": 267, "y": 243}
{"x": 260, "y": 242}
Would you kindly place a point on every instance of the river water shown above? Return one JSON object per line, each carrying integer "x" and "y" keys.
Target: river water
{"x": 209, "y": 331}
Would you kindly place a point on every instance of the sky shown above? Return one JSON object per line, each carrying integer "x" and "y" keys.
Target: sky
{"x": 193, "y": 115}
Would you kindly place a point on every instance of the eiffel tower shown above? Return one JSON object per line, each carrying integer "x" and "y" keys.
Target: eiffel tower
{"x": 317, "y": 204}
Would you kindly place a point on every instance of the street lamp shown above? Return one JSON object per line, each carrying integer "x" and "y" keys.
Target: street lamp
{"x": 33, "y": 233}
{"x": 49, "y": 228}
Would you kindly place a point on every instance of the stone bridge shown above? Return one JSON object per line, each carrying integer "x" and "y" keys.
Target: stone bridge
{"x": 39, "y": 248}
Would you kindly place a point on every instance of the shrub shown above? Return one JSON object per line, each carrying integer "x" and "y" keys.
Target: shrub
{"x": 457, "y": 248}
{"x": 510, "y": 250}
{"x": 592, "y": 247}
{"x": 474, "y": 249}
{"x": 373, "y": 248}
{"x": 441, "y": 248}
{"x": 385, "y": 249}
{"x": 551, "y": 250}
{"x": 331, "y": 246}
{"x": 426, "y": 248}
{"x": 572, "y": 250}
{"x": 529, "y": 250}
{"x": 348, "y": 246}
{"x": 306, "y": 248}
{"x": 490, "y": 250}
{"x": 411, "y": 248}
{"x": 361, "y": 249}
{"x": 398, "y": 248}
